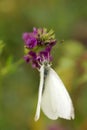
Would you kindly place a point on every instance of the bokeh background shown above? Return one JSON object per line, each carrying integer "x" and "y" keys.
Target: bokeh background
{"x": 19, "y": 82}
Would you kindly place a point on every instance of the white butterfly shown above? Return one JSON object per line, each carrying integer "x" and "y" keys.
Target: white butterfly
{"x": 53, "y": 97}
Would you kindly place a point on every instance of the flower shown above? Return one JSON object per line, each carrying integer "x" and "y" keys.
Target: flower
{"x": 26, "y": 58}
{"x": 38, "y": 45}
{"x": 25, "y": 36}
{"x": 30, "y": 40}
{"x": 32, "y": 54}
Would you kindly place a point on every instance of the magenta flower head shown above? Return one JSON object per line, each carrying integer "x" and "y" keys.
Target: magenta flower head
{"x": 30, "y": 40}
{"x": 38, "y": 45}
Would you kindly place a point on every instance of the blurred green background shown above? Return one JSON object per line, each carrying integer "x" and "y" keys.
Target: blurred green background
{"x": 19, "y": 82}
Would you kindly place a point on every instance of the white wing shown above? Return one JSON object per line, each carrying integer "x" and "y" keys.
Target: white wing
{"x": 56, "y": 101}
{"x": 37, "y": 115}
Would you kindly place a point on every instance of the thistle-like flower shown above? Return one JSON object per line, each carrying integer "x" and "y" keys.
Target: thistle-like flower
{"x": 38, "y": 46}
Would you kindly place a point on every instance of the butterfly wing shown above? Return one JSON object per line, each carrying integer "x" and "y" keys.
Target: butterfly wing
{"x": 37, "y": 115}
{"x": 56, "y": 101}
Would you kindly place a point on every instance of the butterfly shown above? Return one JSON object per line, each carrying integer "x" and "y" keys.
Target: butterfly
{"x": 53, "y": 98}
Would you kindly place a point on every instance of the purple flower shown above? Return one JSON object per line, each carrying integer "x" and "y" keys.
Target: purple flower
{"x": 32, "y": 54}
{"x": 34, "y": 59}
{"x": 48, "y": 48}
{"x": 26, "y": 58}
{"x": 35, "y": 64}
{"x": 25, "y": 36}
{"x": 45, "y": 55}
{"x": 39, "y": 58}
{"x": 38, "y": 46}
{"x": 31, "y": 42}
